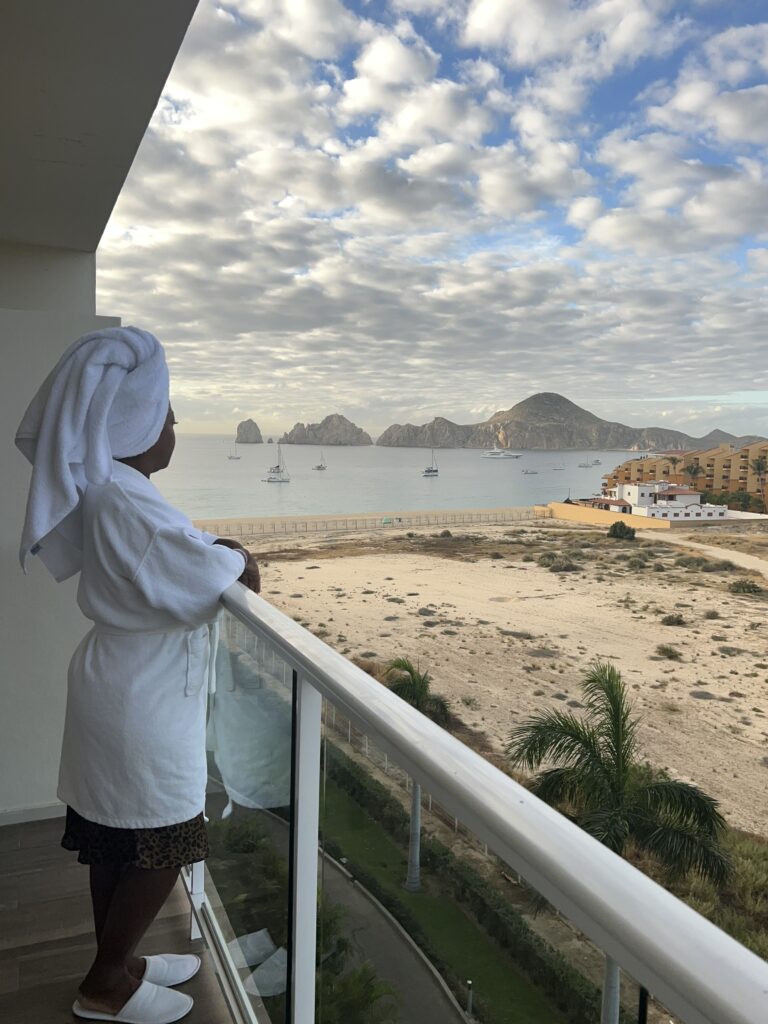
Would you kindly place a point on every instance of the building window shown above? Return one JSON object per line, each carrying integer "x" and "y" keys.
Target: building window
{"x": 664, "y": 515}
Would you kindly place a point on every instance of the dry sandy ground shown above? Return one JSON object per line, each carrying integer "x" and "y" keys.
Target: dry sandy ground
{"x": 504, "y": 638}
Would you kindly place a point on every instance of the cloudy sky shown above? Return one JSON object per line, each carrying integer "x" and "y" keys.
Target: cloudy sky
{"x": 397, "y": 210}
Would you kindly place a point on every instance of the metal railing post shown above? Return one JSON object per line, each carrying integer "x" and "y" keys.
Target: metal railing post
{"x": 197, "y": 896}
{"x": 306, "y": 805}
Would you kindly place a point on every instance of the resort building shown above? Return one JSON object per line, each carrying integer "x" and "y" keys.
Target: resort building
{"x": 657, "y": 500}
{"x": 723, "y": 470}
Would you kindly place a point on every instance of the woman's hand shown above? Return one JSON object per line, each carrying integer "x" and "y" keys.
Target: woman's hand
{"x": 250, "y": 577}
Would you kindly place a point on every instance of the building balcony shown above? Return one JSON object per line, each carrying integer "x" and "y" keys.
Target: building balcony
{"x": 308, "y": 909}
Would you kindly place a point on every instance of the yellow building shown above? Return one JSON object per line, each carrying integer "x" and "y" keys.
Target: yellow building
{"x": 723, "y": 470}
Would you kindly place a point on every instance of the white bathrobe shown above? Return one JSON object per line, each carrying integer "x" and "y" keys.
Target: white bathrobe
{"x": 134, "y": 738}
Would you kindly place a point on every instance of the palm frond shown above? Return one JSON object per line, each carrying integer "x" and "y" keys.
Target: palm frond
{"x": 678, "y": 801}
{"x": 412, "y": 686}
{"x": 569, "y": 787}
{"x": 437, "y": 708}
{"x": 609, "y": 825}
{"x": 557, "y": 736}
{"x": 681, "y": 848}
{"x": 611, "y": 715}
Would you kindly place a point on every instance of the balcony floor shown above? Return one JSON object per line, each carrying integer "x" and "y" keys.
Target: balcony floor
{"x": 46, "y": 938}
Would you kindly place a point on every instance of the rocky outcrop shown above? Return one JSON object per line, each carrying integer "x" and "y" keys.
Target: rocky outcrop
{"x": 549, "y": 421}
{"x": 438, "y": 433}
{"x": 334, "y": 430}
{"x": 248, "y": 433}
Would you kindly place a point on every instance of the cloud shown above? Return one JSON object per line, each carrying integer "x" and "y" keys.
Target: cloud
{"x": 334, "y": 206}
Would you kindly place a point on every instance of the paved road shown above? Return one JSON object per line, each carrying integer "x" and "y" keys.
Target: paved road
{"x": 420, "y": 997}
{"x": 751, "y": 562}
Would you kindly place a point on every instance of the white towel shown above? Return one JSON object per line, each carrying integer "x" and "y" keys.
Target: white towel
{"x": 106, "y": 398}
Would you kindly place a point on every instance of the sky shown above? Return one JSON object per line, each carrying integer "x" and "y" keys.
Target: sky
{"x": 440, "y": 207}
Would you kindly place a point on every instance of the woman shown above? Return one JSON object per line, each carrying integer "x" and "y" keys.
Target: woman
{"x": 133, "y": 765}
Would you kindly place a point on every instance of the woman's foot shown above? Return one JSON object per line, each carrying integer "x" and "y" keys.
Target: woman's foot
{"x": 107, "y": 993}
{"x": 137, "y": 965}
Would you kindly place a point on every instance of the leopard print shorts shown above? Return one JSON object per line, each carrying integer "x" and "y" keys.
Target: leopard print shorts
{"x": 170, "y": 846}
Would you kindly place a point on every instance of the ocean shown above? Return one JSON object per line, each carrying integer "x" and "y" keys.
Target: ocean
{"x": 205, "y": 484}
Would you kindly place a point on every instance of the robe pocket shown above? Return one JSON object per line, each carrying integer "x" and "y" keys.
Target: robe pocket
{"x": 197, "y": 661}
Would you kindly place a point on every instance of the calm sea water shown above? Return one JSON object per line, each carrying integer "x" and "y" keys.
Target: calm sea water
{"x": 204, "y": 483}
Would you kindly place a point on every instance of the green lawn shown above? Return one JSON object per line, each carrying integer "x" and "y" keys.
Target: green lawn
{"x": 456, "y": 938}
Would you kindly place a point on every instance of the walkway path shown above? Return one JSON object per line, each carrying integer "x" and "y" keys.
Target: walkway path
{"x": 374, "y": 937}
{"x": 751, "y": 562}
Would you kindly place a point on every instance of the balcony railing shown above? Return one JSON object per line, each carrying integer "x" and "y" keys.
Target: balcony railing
{"x": 292, "y": 718}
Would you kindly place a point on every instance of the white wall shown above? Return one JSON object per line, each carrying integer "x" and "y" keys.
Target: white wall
{"x": 40, "y": 624}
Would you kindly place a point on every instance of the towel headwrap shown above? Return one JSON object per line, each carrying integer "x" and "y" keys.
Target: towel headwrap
{"x": 107, "y": 397}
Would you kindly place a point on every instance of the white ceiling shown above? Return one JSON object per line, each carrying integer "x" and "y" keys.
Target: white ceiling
{"x": 79, "y": 80}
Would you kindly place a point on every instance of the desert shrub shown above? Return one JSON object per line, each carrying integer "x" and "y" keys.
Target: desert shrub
{"x": 546, "y": 558}
{"x": 620, "y": 531}
{"x": 528, "y": 558}
{"x": 658, "y": 567}
{"x": 446, "y": 533}
{"x": 676, "y": 619}
{"x": 562, "y": 563}
{"x": 694, "y": 562}
{"x": 671, "y": 653}
{"x": 711, "y": 613}
{"x": 636, "y": 563}
{"x": 745, "y": 587}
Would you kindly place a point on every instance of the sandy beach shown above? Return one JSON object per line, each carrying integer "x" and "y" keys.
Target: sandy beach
{"x": 503, "y": 636}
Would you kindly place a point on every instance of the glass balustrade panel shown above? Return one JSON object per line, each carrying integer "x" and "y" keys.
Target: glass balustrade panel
{"x": 249, "y": 805}
{"x": 438, "y": 929}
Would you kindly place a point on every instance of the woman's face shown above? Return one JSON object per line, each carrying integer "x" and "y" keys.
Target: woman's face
{"x": 162, "y": 449}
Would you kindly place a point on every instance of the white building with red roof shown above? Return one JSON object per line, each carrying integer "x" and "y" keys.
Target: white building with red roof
{"x": 658, "y": 499}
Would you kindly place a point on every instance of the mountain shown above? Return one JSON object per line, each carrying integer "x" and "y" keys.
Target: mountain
{"x": 248, "y": 433}
{"x": 333, "y": 430}
{"x": 549, "y": 421}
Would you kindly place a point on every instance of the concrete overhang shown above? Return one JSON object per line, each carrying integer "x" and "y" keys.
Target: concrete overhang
{"x": 79, "y": 81}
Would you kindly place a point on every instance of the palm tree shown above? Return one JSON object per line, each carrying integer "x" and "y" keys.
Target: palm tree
{"x": 413, "y": 687}
{"x": 597, "y": 780}
{"x": 693, "y": 470}
{"x": 673, "y": 461}
{"x": 759, "y": 466}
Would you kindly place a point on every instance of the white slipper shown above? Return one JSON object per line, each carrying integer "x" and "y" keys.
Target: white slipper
{"x": 149, "y": 1004}
{"x": 168, "y": 969}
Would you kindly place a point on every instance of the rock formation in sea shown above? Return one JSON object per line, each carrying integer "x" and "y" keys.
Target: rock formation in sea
{"x": 549, "y": 421}
{"x": 248, "y": 433}
{"x": 438, "y": 433}
{"x": 334, "y": 430}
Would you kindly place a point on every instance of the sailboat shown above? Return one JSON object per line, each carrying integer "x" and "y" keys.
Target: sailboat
{"x": 233, "y": 451}
{"x": 278, "y": 474}
{"x": 322, "y": 463}
{"x": 431, "y": 470}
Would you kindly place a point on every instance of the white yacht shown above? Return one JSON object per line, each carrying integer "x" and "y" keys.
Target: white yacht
{"x": 278, "y": 474}
{"x": 322, "y": 464}
{"x": 431, "y": 470}
{"x": 233, "y": 452}
{"x": 500, "y": 453}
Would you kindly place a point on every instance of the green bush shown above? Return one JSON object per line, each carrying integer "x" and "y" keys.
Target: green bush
{"x": 620, "y": 531}
{"x": 745, "y": 587}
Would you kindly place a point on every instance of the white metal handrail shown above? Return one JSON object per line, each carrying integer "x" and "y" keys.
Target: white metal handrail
{"x": 697, "y": 971}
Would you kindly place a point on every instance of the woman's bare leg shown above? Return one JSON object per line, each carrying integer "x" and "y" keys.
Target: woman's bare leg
{"x": 104, "y": 879}
{"x": 136, "y": 901}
